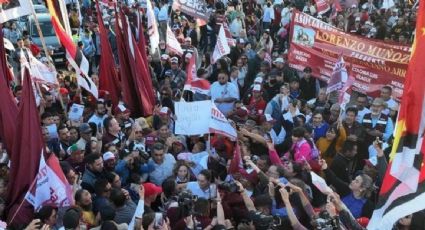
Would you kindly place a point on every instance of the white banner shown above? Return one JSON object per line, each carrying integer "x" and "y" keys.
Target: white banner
{"x": 49, "y": 188}
{"x": 193, "y": 117}
{"x": 221, "y": 47}
{"x": 13, "y": 9}
{"x": 152, "y": 27}
{"x": 172, "y": 43}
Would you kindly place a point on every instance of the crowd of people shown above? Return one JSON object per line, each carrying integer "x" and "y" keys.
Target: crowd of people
{"x": 132, "y": 172}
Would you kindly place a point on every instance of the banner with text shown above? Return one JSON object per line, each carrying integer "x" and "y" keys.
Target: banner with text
{"x": 373, "y": 64}
{"x": 195, "y": 8}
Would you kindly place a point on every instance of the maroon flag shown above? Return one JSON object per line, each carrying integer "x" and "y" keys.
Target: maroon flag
{"x": 25, "y": 157}
{"x": 143, "y": 83}
{"x": 108, "y": 79}
{"x": 129, "y": 95}
{"x": 236, "y": 165}
{"x": 8, "y": 107}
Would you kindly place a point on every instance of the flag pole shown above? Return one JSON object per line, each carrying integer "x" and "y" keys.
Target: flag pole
{"x": 46, "y": 52}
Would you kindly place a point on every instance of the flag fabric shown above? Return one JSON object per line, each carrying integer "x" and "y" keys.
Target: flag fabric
{"x": 108, "y": 78}
{"x": 40, "y": 72}
{"x": 74, "y": 55}
{"x": 152, "y": 27}
{"x": 220, "y": 125}
{"x": 322, "y": 6}
{"x": 172, "y": 43}
{"x": 230, "y": 40}
{"x": 403, "y": 188}
{"x": 129, "y": 95}
{"x": 14, "y": 9}
{"x": 339, "y": 76}
{"x": 8, "y": 107}
{"x": 236, "y": 164}
{"x": 25, "y": 155}
{"x": 142, "y": 83}
{"x": 193, "y": 83}
{"x": 221, "y": 47}
{"x": 50, "y": 186}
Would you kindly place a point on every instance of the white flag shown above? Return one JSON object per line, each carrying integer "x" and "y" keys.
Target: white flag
{"x": 172, "y": 43}
{"x": 219, "y": 124}
{"x": 51, "y": 186}
{"x": 386, "y": 4}
{"x": 41, "y": 72}
{"x": 13, "y": 9}
{"x": 152, "y": 27}
{"x": 88, "y": 84}
{"x": 221, "y": 47}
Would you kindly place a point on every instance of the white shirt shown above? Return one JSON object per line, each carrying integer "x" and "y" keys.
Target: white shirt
{"x": 391, "y": 104}
{"x": 361, "y": 114}
{"x": 193, "y": 186}
{"x": 224, "y": 91}
{"x": 277, "y": 139}
{"x": 268, "y": 15}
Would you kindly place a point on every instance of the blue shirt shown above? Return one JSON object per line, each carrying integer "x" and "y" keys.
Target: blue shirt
{"x": 193, "y": 186}
{"x": 354, "y": 205}
{"x": 388, "y": 129}
{"x": 320, "y": 131}
{"x": 161, "y": 171}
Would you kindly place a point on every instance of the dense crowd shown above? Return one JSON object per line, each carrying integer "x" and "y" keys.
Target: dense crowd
{"x": 134, "y": 173}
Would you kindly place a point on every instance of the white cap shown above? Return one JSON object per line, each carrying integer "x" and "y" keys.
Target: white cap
{"x": 279, "y": 60}
{"x": 258, "y": 80}
{"x": 257, "y": 88}
{"x": 357, "y": 19}
{"x": 164, "y": 110}
{"x": 108, "y": 156}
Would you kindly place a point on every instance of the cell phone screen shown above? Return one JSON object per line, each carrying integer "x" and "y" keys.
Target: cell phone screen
{"x": 159, "y": 220}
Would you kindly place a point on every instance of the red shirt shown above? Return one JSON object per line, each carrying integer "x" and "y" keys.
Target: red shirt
{"x": 256, "y": 108}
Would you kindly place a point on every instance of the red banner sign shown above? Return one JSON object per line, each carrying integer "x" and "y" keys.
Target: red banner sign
{"x": 373, "y": 64}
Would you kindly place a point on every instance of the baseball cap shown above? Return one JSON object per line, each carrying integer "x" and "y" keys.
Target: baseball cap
{"x": 85, "y": 128}
{"x": 279, "y": 60}
{"x": 169, "y": 73}
{"x": 151, "y": 189}
{"x": 108, "y": 156}
{"x": 164, "y": 57}
{"x": 257, "y": 88}
{"x": 164, "y": 111}
{"x": 258, "y": 80}
{"x": 63, "y": 91}
{"x": 241, "y": 41}
{"x": 174, "y": 60}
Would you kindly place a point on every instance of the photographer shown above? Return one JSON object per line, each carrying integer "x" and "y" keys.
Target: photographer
{"x": 203, "y": 187}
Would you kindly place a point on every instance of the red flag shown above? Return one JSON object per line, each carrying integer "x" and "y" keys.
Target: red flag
{"x": 140, "y": 93}
{"x": 8, "y": 107}
{"x": 322, "y": 6}
{"x": 25, "y": 157}
{"x": 108, "y": 79}
{"x": 236, "y": 165}
{"x": 193, "y": 83}
{"x": 129, "y": 95}
{"x": 403, "y": 188}
{"x": 339, "y": 76}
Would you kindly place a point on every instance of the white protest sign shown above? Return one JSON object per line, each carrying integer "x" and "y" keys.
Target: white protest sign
{"x": 320, "y": 183}
{"x": 76, "y": 112}
{"x": 193, "y": 118}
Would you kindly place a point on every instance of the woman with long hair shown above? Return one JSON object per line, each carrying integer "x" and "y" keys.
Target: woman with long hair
{"x": 332, "y": 142}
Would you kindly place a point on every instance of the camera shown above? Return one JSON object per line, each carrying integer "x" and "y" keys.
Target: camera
{"x": 262, "y": 221}
{"x": 228, "y": 186}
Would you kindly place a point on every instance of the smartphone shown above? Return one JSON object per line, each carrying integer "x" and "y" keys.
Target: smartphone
{"x": 159, "y": 220}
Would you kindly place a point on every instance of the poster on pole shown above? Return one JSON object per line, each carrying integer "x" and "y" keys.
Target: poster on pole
{"x": 195, "y": 8}
{"x": 193, "y": 118}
